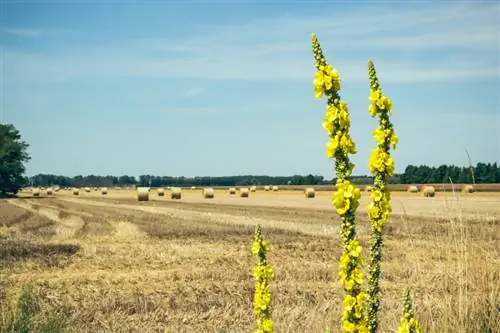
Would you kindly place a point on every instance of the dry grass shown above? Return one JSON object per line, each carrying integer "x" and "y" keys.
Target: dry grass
{"x": 185, "y": 266}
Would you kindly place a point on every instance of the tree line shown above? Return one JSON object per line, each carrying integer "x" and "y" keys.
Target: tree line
{"x": 482, "y": 173}
{"x": 159, "y": 181}
{"x": 423, "y": 174}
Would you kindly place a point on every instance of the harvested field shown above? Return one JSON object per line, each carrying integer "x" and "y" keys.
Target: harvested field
{"x": 112, "y": 264}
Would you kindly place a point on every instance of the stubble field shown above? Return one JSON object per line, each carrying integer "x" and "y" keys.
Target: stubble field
{"x": 112, "y": 264}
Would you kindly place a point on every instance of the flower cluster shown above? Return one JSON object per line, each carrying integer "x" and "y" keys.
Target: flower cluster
{"x": 262, "y": 294}
{"x": 408, "y": 323}
{"x": 325, "y": 79}
{"x": 381, "y": 165}
{"x": 346, "y": 198}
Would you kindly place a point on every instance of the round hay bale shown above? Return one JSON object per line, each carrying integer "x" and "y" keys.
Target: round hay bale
{"x": 429, "y": 191}
{"x": 160, "y": 192}
{"x": 232, "y": 191}
{"x": 36, "y": 192}
{"x": 104, "y": 191}
{"x": 49, "y": 191}
{"x": 253, "y": 188}
{"x": 208, "y": 193}
{"x": 87, "y": 189}
{"x": 244, "y": 192}
{"x": 412, "y": 189}
{"x": 309, "y": 192}
{"x": 76, "y": 191}
{"x": 275, "y": 188}
{"x": 95, "y": 189}
{"x": 368, "y": 188}
{"x": 193, "y": 187}
{"x": 175, "y": 193}
{"x": 468, "y": 189}
{"x": 267, "y": 188}
{"x": 143, "y": 194}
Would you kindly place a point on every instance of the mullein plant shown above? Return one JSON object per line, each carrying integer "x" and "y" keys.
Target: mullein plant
{"x": 408, "y": 322}
{"x": 263, "y": 274}
{"x": 381, "y": 165}
{"x": 346, "y": 197}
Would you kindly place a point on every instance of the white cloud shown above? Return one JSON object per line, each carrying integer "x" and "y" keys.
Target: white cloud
{"x": 23, "y": 32}
{"x": 411, "y": 43}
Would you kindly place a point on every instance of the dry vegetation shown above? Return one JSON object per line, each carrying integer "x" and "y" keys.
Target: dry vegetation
{"x": 112, "y": 264}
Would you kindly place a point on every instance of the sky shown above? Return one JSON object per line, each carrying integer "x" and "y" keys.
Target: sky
{"x": 221, "y": 88}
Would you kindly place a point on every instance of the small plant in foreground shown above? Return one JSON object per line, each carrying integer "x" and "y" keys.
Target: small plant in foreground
{"x": 263, "y": 275}
{"x": 26, "y": 317}
{"x": 408, "y": 323}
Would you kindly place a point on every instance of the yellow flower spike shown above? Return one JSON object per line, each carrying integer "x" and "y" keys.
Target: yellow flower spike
{"x": 408, "y": 323}
{"x": 346, "y": 197}
{"x": 263, "y": 275}
{"x": 381, "y": 165}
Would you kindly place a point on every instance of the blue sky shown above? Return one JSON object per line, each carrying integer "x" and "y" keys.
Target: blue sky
{"x": 225, "y": 88}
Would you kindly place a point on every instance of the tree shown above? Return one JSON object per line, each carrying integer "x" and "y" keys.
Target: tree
{"x": 13, "y": 156}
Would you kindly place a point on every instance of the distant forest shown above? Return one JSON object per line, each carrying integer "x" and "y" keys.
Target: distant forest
{"x": 423, "y": 174}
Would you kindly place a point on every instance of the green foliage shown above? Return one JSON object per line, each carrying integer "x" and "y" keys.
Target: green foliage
{"x": 423, "y": 174}
{"x": 13, "y": 156}
{"x": 26, "y": 316}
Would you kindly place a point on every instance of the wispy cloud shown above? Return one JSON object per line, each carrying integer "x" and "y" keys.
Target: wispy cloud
{"x": 23, "y": 32}
{"x": 194, "y": 91}
{"x": 410, "y": 43}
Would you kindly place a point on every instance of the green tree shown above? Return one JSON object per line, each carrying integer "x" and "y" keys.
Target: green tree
{"x": 13, "y": 156}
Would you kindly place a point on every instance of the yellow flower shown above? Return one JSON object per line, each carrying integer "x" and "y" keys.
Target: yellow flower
{"x": 394, "y": 140}
{"x": 347, "y": 145}
{"x": 332, "y": 146}
{"x": 267, "y": 326}
{"x": 379, "y": 135}
{"x": 376, "y": 195}
{"x": 372, "y": 110}
{"x": 374, "y": 96}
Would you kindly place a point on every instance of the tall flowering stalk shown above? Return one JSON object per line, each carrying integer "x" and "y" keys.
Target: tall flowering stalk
{"x": 346, "y": 199}
{"x": 263, "y": 274}
{"x": 408, "y": 323}
{"x": 382, "y": 167}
